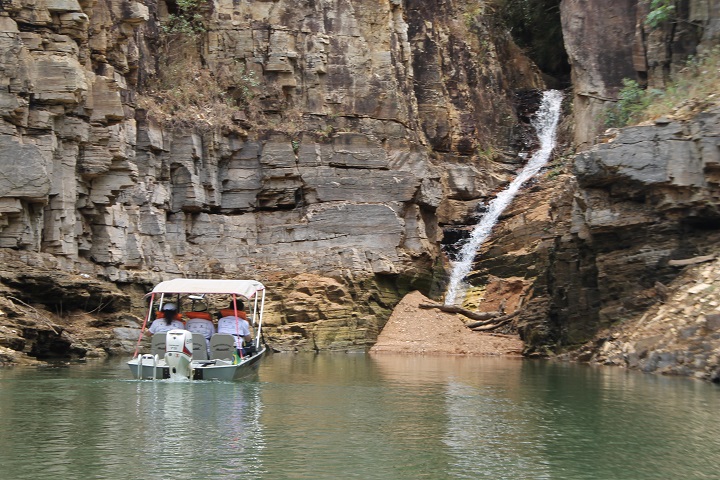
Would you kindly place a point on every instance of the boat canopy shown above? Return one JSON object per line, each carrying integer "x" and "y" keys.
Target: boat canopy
{"x": 245, "y": 288}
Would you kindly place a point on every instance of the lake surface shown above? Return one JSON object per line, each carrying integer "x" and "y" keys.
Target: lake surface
{"x": 335, "y": 416}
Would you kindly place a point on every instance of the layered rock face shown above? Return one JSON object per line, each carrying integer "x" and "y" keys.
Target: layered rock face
{"x": 649, "y": 196}
{"x": 648, "y": 199}
{"x": 601, "y": 242}
{"x": 608, "y": 42}
{"x": 678, "y": 336}
{"x": 362, "y": 138}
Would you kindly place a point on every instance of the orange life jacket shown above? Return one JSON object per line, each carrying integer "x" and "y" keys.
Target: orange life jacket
{"x": 229, "y": 312}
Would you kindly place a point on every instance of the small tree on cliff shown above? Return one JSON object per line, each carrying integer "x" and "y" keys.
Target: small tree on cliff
{"x": 661, "y": 11}
{"x": 186, "y": 18}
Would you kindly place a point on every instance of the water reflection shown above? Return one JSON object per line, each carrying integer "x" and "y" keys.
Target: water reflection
{"x": 481, "y": 432}
{"x": 207, "y": 429}
{"x": 116, "y": 428}
{"x": 356, "y": 426}
{"x": 611, "y": 423}
{"x": 358, "y": 416}
{"x": 526, "y": 419}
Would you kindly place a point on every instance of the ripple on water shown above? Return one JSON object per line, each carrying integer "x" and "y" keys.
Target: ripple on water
{"x": 336, "y": 416}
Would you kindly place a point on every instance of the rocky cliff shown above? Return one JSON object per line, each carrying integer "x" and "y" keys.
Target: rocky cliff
{"x": 606, "y": 242}
{"x": 360, "y": 128}
{"x": 608, "y": 42}
{"x": 639, "y": 211}
{"x": 337, "y": 150}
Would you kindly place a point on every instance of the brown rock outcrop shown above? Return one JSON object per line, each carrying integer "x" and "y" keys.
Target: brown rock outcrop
{"x": 680, "y": 335}
{"x": 337, "y": 166}
{"x": 46, "y": 312}
{"x": 413, "y": 330}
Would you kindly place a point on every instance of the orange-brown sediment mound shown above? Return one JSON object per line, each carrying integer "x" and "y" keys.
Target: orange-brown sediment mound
{"x": 411, "y": 329}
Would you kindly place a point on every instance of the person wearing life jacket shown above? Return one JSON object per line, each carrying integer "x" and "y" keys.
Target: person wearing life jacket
{"x": 237, "y": 326}
{"x": 200, "y": 322}
{"x": 167, "y": 319}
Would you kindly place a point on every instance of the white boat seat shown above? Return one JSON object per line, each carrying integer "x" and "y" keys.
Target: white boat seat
{"x": 222, "y": 346}
{"x": 157, "y": 345}
{"x": 200, "y": 347}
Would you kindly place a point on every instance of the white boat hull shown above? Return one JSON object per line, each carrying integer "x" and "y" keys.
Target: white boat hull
{"x": 145, "y": 367}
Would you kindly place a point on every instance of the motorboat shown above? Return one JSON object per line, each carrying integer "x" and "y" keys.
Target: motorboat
{"x": 191, "y": 353}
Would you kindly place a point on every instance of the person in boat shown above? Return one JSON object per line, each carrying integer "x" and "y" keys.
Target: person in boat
{"x": 201, "y": 322}
{"x": 167, "y": 320}
{"x": 237, "y": 326}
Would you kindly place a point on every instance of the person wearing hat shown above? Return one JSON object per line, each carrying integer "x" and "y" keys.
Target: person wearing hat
{"x": 167, "y": 320}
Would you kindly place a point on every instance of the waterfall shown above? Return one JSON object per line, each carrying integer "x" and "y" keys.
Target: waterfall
{"x": 545, "y": 124}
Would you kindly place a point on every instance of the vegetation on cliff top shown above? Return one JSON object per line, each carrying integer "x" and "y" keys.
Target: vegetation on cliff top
{"x": 694, "y": 88}
{"x": 187, "y": 93}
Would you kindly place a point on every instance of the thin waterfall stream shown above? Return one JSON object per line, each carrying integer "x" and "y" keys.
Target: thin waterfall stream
{"x": 545, "y": 124}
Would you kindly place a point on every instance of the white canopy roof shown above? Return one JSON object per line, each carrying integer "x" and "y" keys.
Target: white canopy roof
{"x": 246, "y": 288}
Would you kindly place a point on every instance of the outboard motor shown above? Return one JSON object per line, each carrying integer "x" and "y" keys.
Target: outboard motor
{"x": 178, "y": 353}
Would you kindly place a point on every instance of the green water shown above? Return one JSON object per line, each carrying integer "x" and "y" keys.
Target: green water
{"x": 357, "y": 416}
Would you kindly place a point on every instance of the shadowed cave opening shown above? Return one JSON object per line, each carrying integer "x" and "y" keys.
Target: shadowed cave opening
{"x": 535, "y": 26}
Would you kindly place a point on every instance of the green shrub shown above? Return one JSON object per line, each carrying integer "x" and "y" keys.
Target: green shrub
{"x": 661, "y": 11}
{"x": 633, "y": 100}
{"x": 695, "y": 86}
{"x": 188, "y": 20}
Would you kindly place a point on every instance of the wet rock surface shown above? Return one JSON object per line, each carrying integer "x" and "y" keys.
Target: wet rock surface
{"x": 680, "y": 335}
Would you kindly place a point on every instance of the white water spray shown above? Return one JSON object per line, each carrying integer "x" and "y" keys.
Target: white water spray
{"x": 545, "y": 123}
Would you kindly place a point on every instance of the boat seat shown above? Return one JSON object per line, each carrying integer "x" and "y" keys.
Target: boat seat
{"x": 200, "y": 347}
{"x": 157, "y": 345}
{"x": 222, "y": 346}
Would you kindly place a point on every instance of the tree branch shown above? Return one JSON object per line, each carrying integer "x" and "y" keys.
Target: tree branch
{"x": 497, "y": 323}
{"x": 462, "y": 311}
{"x": 36, "y": 313}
